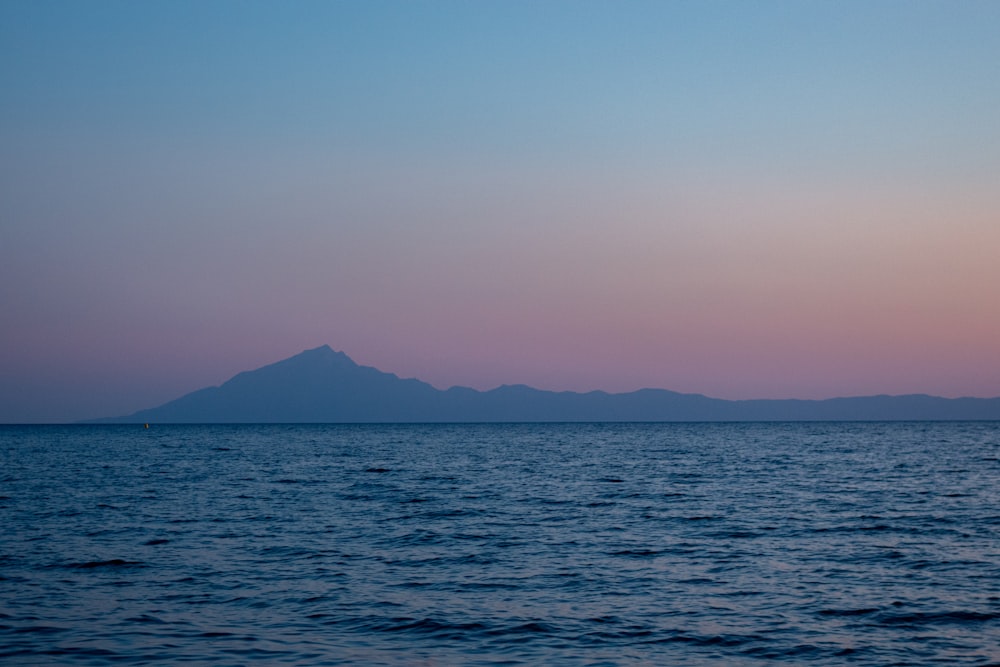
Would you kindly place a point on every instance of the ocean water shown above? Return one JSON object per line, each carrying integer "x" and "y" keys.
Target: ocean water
{"x": 559, "y": 544}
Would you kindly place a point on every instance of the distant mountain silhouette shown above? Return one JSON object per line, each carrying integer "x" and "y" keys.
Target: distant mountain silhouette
{"x": 324, "y": 386}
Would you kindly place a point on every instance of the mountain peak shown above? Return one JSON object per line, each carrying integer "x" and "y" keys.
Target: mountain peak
{"x": 322, "y": 349}
{"x": 325, "y": 352}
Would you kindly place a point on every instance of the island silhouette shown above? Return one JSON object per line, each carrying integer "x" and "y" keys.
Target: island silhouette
{"x": 322, "y": 385}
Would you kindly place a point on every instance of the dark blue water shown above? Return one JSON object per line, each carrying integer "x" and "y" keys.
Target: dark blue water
{"x": 703, "y": 544}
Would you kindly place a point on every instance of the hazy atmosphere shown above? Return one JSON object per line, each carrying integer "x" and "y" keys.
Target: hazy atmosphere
{"x": 745, "y": 200}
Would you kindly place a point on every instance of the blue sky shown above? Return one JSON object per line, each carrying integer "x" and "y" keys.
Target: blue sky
{"x": 740, "y": 199}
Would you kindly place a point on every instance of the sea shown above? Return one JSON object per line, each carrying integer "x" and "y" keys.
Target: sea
{"x": 501, "y": 544}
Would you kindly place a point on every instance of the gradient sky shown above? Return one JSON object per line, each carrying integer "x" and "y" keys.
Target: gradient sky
{"x": 741, "y": 199}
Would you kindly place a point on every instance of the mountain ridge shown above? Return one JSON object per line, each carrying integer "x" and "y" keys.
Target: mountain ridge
{"x": 322, "y": 385}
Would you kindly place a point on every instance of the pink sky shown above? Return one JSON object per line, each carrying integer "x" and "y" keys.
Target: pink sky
{"x": 780, "y": 201}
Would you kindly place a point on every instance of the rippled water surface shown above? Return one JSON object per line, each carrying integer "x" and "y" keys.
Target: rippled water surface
{"x": 575, "y": 544}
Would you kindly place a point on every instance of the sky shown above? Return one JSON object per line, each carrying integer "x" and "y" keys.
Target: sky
{"x": 740, "y": 199}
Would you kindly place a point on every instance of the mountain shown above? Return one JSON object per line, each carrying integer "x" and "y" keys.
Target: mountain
{"x": 324, "y": 386}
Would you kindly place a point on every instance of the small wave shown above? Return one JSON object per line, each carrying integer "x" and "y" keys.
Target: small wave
{"x": 489, "y": 586}
{"x": 636, "y": 553}
{"x": 435, "y": 628}
{"x": 794, "y": 652}
{"x": 529, "y": 628}
{"x": 39, "y": 630}
{"x": 357, "y": 497}
{"x": 611, "y": 636}
{"x": 83, "y": 651}
{"x": 146, "y": 618}
{"x": 848, "y": 612}
{"x": 734, "y": 534}
{"x": 946, "y": 617}
{"x": 604, "y": 619}
{"x": 377, "y": 470}
{"x": 724, "y": 641}
{"x": 456, "y": 513}
{"x": 420, "y": 537}
{"x": 408, "y": 625}
{"x": 114, "y": 562}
